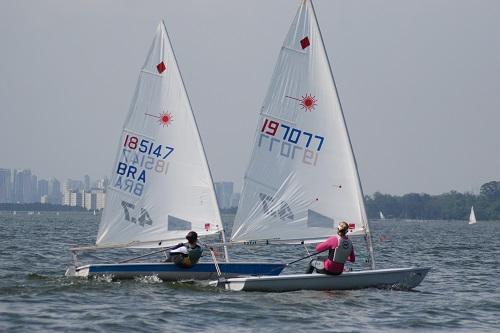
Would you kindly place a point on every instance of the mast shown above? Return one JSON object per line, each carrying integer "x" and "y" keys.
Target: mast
{"x": 362, "y": 205}
{"x": 202, "y": 147}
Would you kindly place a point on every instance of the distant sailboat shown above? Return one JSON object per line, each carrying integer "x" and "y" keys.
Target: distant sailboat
{"x": 382, "y": 217}
{"x": 472, "y": 216}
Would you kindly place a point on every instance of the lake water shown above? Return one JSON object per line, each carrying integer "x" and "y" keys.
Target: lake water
{"x": 460, "y": 293}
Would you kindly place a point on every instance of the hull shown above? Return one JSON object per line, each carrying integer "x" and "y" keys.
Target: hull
{"x": 171, "y": 272}
{"x": 396, "y": 278}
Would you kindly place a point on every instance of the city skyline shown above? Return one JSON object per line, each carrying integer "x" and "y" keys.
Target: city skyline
{"x": 23, "y": 186}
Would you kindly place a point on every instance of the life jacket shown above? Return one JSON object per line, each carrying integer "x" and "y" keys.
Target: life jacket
{"x": 191, "y": 258}
{"x": 342, "y": 251}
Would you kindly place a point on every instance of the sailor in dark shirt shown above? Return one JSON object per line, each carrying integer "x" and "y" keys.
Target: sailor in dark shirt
{"x": 186, "y": 254}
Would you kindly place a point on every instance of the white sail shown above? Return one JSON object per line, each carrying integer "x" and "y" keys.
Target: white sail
{"x": 382, "y": 217}
{"x": 472, "y": 216}
{"x": 302, "y": 178}
{"x": 160, "y": 185}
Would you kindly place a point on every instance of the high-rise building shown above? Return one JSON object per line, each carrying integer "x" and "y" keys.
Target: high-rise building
{"x": 55, "y": 195}
{"x": 76, "y": 199}
{"x": 74, "y": 185}
{"x": 5, "y": 186}
{"x": 100, "y": 199}
{"x": 224, "y": 192}
{"x": 43, "y": 189}
{"x": 73, "y": 198}
{"x": 23, "y": 187}
{"x": 34, "y": 189}
{"x": 86, "y": 182}
{"x": 95, "y": 199}
{"x": 66, "y": 197}
{"x": 89, "y": 200}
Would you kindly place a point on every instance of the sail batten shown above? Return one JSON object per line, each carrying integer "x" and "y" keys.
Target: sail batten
{"x": 302, "y": 178}
{"x": 161, "y": 186}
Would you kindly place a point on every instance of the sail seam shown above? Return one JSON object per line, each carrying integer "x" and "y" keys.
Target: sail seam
{"x": 295, "y": 50}
{"x": 145, "y": 71}
{"x": 138, "y": 133}
{"x": 259, "y": 183}
{"x": 270, "y": 115}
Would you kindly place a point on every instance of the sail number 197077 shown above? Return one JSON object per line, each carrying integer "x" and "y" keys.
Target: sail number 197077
{"x": 290, "y": 142}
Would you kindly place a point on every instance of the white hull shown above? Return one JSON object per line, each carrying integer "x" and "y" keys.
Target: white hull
{"x": 396, "y": 278}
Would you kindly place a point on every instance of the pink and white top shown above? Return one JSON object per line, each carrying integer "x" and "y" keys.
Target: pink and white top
{"x": 333, "y": 243}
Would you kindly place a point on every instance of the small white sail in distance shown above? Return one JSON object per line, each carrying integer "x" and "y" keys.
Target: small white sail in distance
{"x": 472, "y": 216}
{"x": 302, "y": 178}
{"x": 382, "y": 217}
{"x": 161, "y": 186}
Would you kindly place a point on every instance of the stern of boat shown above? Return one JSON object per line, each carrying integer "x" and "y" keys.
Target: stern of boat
{"x": 73, "y": 271}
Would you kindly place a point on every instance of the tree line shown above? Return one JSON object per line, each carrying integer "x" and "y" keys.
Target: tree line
{"x": 447, "y": 206}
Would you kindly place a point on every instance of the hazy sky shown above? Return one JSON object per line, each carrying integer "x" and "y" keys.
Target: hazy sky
{"x": 419, "y": 82}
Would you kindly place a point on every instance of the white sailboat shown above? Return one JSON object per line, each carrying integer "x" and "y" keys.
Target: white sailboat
{"x": 381, "y": 215}
{"x": 161, "y": 186}
{"x": 302, "y": 179}
{"x": 472, "y": 216}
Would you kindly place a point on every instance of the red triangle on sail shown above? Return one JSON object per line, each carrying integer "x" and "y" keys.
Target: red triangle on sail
{"x": 305, "y": 42}
{"x": 161, "y": 67}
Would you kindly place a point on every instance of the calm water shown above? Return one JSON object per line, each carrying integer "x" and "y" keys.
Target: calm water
{"x": 461, "y": 293}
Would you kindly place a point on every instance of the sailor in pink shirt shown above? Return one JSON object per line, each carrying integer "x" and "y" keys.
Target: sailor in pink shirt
{"x": 340, "y": 249}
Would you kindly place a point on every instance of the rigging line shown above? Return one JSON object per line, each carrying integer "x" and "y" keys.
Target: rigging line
{"x": 307, "y": 250}
{"x": 295, "y": 261}
{"x": 145, "y": 255}
{"x": 217, "y": 268}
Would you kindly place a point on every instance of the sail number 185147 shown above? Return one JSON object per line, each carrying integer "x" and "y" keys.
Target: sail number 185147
{"x": 140, "y": 159}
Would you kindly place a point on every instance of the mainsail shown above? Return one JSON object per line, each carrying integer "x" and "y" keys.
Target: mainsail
{"x": 160, "y": 185}
{"x": 302, "y": 179}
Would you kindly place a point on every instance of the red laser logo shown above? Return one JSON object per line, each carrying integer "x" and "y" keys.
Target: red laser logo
{"x": 307, "y": 102}
{"x": 164, "y": 118}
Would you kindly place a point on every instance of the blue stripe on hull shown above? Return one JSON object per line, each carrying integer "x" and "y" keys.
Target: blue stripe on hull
{"x": 158, "y": 268}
